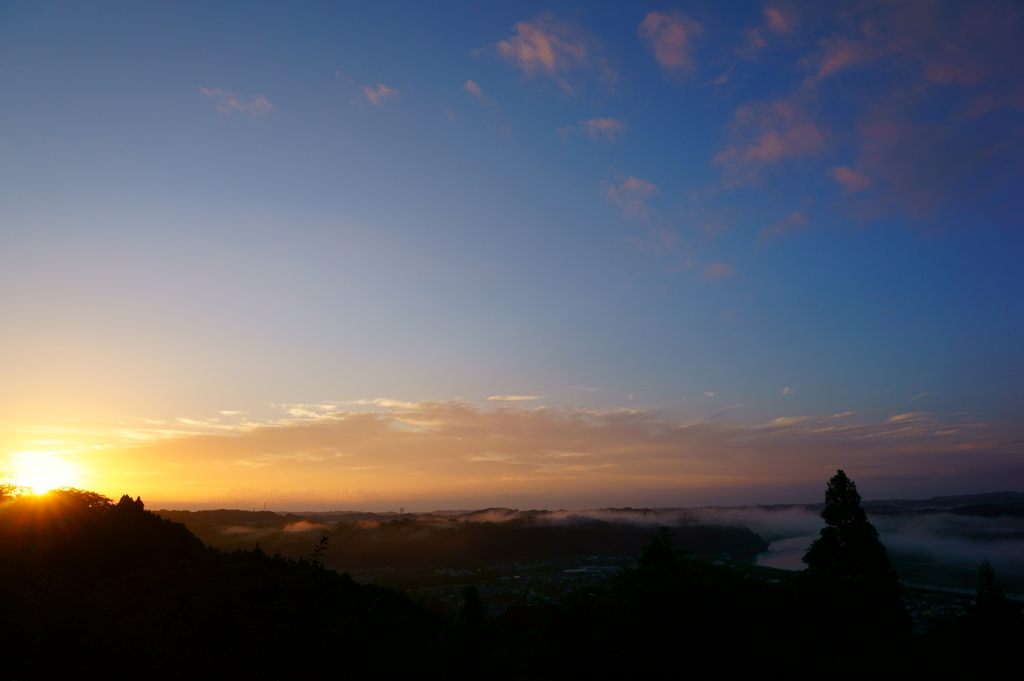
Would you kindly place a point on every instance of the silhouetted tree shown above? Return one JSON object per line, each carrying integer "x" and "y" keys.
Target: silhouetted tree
{"x": 661, "y": 552}
{"x": 849, "y": 543}
{"x": 990, "y": 591}
{"x": 472, "y": 615}
{"x": 851, "y": 584}
{"x": 8, "y": 491}
{"x": 317, "y": 556}
{"x": 992, "y": 607}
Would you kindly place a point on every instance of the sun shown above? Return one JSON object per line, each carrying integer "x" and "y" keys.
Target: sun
{"x": 43, "y": 471}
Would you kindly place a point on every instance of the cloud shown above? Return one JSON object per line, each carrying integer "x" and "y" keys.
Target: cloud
{"x": 595, "y": 128}
{"x": 549, "y": 48}
{"x": 474, "y": 89}
{"x": 919, "y": 396}
{"x": 454, "y": 451}
{"x": 839, "y": 52}
{"x": 767, "y": 133}
{"x": 226, "y": 102}
{"x": 670, "y": 36}
{"x": 787, "y": 391}
{"x": 926, "y": 98}
{"x": 632, "y": 194}
{"x": 791, "y": 223}
{"x": 850, "y": 180}
{"x": 608, "y": 127}
{"x": 377, "y": 95}
{"x": 513, "y": 398}
{"x": 775, "y": 22}
{"x": 717, "y": 270}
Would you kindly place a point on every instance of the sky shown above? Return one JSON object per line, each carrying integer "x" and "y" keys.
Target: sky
{"x": 353, "y": 255}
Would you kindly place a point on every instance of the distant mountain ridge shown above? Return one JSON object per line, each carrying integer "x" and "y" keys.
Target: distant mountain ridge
{"x": 991, "y": 499}
{"x": 951, "y": 502}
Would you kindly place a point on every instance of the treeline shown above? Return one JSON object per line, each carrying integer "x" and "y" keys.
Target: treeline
{"x": 411, "y": 543}
{"x": 90, "y": 585}
{"x": 467, "y": 540}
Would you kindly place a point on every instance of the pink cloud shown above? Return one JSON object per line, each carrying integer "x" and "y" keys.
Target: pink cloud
{"x": 850, "y": 180}
{"x": 777, "y": 20}
{"x": 632, "y": 194}
{"x": 227, "y": 101}
{"x": 473, "y": 89}
{"x": 841, "y": 52}
{"x": 791, "y": 223}
{"x": 377, "y": 95}
{"x": 609, "y": 127}
{"x": 717, "y": 270}
{"x": 931, "y": 119}
{"x": 552, "y": 49}
{"x": 768, "y": 133}
{"x": 670, "y": 35}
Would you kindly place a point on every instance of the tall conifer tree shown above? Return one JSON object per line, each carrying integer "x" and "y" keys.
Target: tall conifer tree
{"x": 849, "y": 545}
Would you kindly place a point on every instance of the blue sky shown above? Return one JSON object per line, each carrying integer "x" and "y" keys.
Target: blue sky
{"x": 697, "y": 212}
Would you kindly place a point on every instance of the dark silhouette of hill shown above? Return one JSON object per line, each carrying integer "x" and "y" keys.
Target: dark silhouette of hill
{"x": 90, "y": 586}
{"x": 470, "y": 538}
{"x": 409, "y": 543}
{"x": 87, "y": 584}
{"x": 948, "y": 502}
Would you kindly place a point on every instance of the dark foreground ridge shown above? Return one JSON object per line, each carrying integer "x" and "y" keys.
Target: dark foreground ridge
{"x": 88, "y": 585}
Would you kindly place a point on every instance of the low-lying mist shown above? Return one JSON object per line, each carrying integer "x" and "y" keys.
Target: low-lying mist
{"x": 930, "y": 544}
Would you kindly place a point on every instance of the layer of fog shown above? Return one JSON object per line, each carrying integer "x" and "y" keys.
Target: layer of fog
{"x": 937, "y": 537}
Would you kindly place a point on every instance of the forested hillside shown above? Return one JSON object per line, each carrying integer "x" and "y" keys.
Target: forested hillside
{"x": 87, "y": 584}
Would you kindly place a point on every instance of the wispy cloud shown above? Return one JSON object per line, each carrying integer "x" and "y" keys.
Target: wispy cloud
{"x": 767, "y": 133}
{"x": 513, "y": 398}
{"x": 632, "y": 194}
{"x": 473, "y": 88}
{"x": 227, "y": 102}
{"x": 933, "y": 127}
{"x": 377, "y": 95}
{"x": 919, "y": 396}
{"x": 775, "y": 22}
{"x": 670, "y": 35}
{"x": 718, "y": 270}
{"x": 788, "y": 225}
{"x": 436, "y": 449}
{"x": 852, "y": 181}
{"x": 552, "y": 49}
{"x": 595, "y": 128}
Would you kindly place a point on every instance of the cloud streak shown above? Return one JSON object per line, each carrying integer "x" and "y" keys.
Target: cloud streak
{"x": 377, "y": 95}
{"x": 456, "y": 451}
{"x": 595, "y": 128}
{"x": 632, "y": 194}
{"x": 551, "y": 49}
{"x": 923, "y": 99}
{"x": 226, "y": 102}
{"x": 793, "y": 222}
